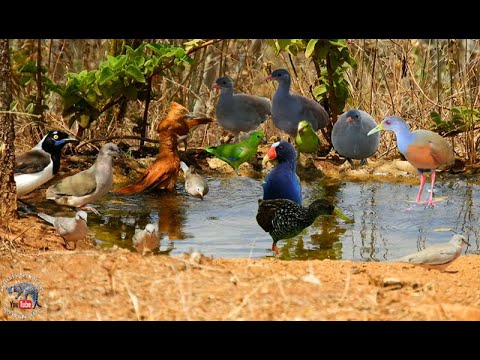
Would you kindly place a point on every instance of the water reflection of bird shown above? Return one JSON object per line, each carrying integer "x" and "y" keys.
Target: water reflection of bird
{"x": 284, "y": 219}
{"x": 424, "y": 149}
{"x": 146, "y": 240}
{"x": 438, "y": 256}
{"x": 163, "y": 172}
{"x": 349, "y": 136}
{"x": 171, "y": 217}
{"x": 282, "y": 182}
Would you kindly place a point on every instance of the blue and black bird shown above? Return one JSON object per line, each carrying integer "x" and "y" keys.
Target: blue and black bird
{"x": 284, "y": 219}
{"x": 283, "y": 182}
{"x": 38, "y": 165}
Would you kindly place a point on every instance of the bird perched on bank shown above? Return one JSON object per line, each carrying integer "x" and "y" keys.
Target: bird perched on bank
{"x": 195, "y": 185}
{"x": 424, "y": 149}
{"x": 162, "y": 174}
{"x": 88, "y": 185}
{"x": 40, "y": 164}
{"x": 306, "y": 140}
{"x": 146, "y": 240}
{"x": 71, "y": 229}
{"x": 238, "y": 153}
{"x": 438, "y": 256}
{"x": 349, "y": 136}
{"x": 284, "y": 219}
{"x": 289, "y": 109}
{"x": 282, "y": 182}
{"x": 239, "y": 112}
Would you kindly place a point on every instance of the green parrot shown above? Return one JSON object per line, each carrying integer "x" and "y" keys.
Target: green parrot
{"x": 238, "y": 153}
{"x": 307, "y": 141}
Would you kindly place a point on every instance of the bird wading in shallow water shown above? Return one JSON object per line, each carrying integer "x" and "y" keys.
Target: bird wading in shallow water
{"x": 289, "y": 109}
{"x": 438, "y": 256}
{"x": 306, "y": 140}
{"x": 162, "y": 174}
{"x": 239, "y": 112}
{"x": 424, "y": 149}
{"x": 195, "y": 185}
{"x": 40, "y": 164}
{"x": 71, "y": 229}
{"x": 146, "y": 240}
{"x": 349, "y": 136}
{"x": 282, "y": 182}
{"x": 284, "y": 219}
{"x": 88, "y": 185}
{"x": 238, "y": 153}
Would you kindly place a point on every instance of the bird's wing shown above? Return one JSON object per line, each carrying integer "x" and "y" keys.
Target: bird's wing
{"x": 265, "y": 214}
{"x": 65, "y": 226}
{"x": 80, "y": 184}
{"x": 47, "y": 218}
{"x": 310, "y": 109}
{"x": 260, "y": 105}
{"x": 31, "y": 162}
{"x": 430, "y": 148}
{"x": 433, "y": 255}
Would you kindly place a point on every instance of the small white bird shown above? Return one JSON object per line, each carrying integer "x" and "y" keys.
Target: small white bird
{"x": 71, "y": 229}
{"x": 146, "y": 240}
{"x": 195, "y": 185}
{"x": 38, "y": 165}
{"x": 89, "y": 185}
{"x": 438, "y": 256}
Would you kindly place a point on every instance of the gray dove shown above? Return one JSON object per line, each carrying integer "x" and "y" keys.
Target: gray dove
{"x": 438, "y": 256}
{"x": 195, "y": 185}
{"x": 71, "y": 229}
{"x": 146, "y": 240}
{"x": 89, "y": 185}
{"x": 239, "y": 112}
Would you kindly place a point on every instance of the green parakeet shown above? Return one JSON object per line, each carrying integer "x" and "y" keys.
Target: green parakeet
{"x": 238, "y": 153}
{"x": 307, "y": 141}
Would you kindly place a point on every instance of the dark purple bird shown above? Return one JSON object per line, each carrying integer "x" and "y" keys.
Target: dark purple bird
{"x": 350, "y": 139}
{"x": 289, "y": 109}
{"x": 283, "y": 182}
{"x": 239, "y": 112}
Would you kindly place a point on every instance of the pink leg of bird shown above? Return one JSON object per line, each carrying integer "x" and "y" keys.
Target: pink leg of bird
{"x": 422, "y": 184}
{"x": 430, "y": 198}
{"x": 275, "y": 248}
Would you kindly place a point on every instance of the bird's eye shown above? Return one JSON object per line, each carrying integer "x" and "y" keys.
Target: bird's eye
{"x": 388, "y": 122}
{"x": 55, "y": 137}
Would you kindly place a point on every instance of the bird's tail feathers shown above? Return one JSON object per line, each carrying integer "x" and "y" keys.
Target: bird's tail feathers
{"x": 184, "y": 167}
{"x": 47, "y": 218}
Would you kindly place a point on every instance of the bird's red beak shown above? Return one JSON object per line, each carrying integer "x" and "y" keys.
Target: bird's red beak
{"x": 349, "y": 119}
{"x": 269, "y": 77}
{"x": 272, "y": 153}
{"x": 216, "y": 86}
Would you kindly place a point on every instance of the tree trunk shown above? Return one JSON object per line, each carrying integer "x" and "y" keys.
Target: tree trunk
{"x": 8, "y": 190}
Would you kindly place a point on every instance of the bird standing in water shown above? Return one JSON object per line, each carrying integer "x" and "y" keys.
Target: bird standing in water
{"x": 424, "y": 149}
{"x": 284, "y": 218}
{"x": 282, "y": 182}
{"x": 195, "y": 185}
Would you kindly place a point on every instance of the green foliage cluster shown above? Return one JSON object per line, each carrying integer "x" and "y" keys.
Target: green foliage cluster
{"x": 88, "y": 93}
{"x": 461, "y": 118}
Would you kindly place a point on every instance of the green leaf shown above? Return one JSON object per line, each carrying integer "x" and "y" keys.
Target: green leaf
{"x": 283, "y": 43}
{"x": 91, "y": 97}
{"x": 135, "y": 73}
{"x": 25, "y": 79}
{"x": 30, "y": 67}
{"x": 319, "y": 91}
{"x": 310, "y": 47}
{"x": 436, "y": 117}
{"x": 122, "y": 60}
{"x": 130, "y": 92}
{"x": 340, "y": 43}
{"x": 105, "y": 75}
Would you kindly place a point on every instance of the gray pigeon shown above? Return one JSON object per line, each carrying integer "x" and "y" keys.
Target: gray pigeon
{"x": 71, "y": 229}
{"x": 239, "y": 112}
{"x": 350, "y": 139}
{"x": 438, "y": 256}
{"x": 89, "y": 185}
{"x": 289, "y": 109}
{"x": 195, "y": 185}
{"x": 146, "y": 240}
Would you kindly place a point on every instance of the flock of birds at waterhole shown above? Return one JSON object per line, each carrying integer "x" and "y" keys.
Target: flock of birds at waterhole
{"x": 355, "y": 135}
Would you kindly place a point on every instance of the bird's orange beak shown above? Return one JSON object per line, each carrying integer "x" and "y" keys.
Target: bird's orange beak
{"x": 269, "y": 77}
{"x": 216, "y": 86}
